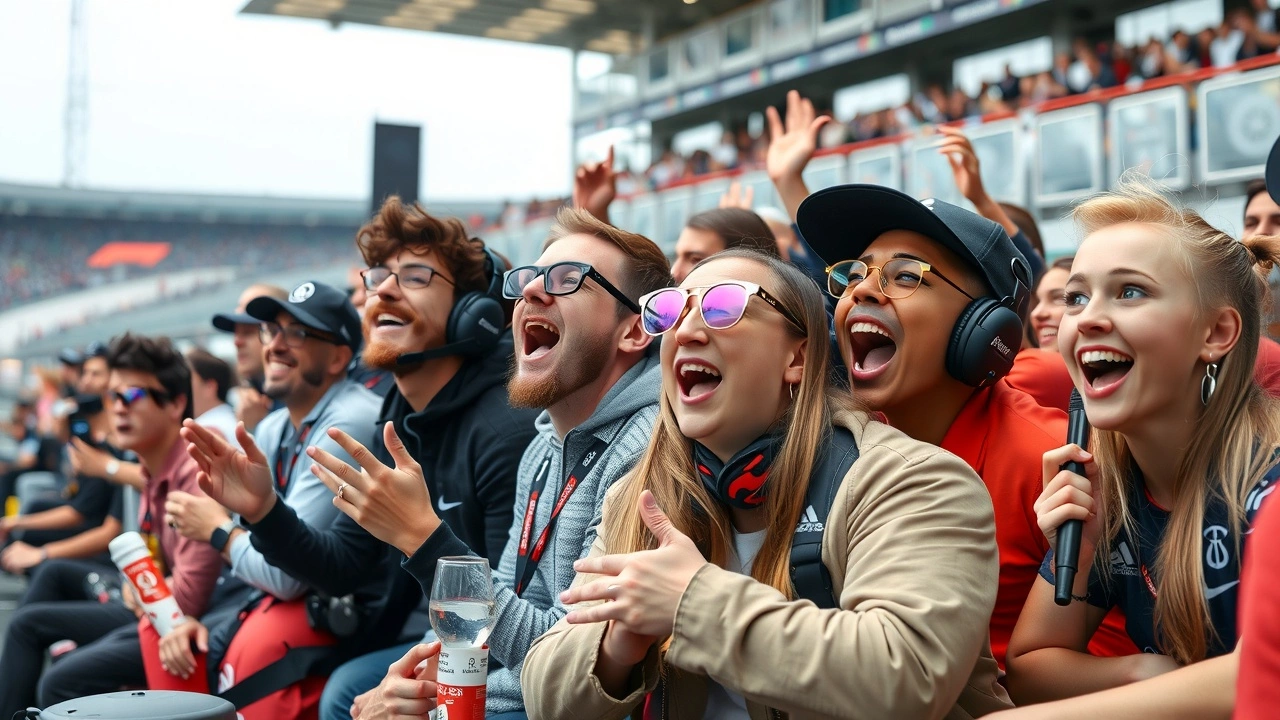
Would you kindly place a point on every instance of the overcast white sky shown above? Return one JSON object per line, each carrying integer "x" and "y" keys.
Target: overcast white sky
{"x": 189, "y": 96}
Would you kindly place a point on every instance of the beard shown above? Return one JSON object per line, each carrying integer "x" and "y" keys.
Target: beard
{"x": 578, "y": 364}
{"x": 381, "y": 355}
{"x": 312, "y": 376}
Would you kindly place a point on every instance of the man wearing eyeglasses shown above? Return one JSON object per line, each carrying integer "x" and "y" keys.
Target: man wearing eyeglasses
{"x": 434, "y": 318}
{"x": 583, "y": 359}
{"x": 150, "y": 395}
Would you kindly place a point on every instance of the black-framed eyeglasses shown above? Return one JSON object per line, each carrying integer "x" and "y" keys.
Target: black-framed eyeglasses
{"x": 294, "y": 335}
{"x": 410, "y": 277}
{"x": 560, "y": 279}
{"x": 722, "y": 305}
{"x": 132, "y": 394}
{"x": 899, "y": 278}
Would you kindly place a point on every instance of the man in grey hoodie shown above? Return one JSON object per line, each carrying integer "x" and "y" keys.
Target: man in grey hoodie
{"x": 581, "y": 357}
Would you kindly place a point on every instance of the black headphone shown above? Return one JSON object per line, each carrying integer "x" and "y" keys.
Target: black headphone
{"x": 988, "y": 334}
{"x": 477, "y": 319}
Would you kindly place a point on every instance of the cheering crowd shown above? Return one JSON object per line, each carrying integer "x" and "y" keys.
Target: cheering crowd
{"x": 811, "y": 469}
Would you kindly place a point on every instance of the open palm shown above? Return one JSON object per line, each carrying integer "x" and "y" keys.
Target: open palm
{"x": 792, "y": 145}
{"x": 238, "y": 479}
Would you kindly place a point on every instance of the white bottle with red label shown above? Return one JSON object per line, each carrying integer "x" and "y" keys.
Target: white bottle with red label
{"x": 462, "y": 616}
{"x": 129, "y": 552}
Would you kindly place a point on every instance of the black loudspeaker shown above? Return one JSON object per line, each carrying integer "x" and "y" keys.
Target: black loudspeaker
{"x": 397, "y": 154}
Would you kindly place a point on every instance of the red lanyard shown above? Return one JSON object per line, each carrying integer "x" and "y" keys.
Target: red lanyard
{"x": 527, "y": 558}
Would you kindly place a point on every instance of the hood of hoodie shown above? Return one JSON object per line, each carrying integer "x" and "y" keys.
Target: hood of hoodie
{"x": 475, "y": 378}
{"x": 637, "y": 389}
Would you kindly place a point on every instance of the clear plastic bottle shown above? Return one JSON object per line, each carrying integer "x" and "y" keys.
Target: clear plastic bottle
{"x": 462, "y": 614}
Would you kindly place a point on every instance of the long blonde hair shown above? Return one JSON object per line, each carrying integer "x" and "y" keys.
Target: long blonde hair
{"x": 667, "y": 469}
{"x": 1241, "y": 424}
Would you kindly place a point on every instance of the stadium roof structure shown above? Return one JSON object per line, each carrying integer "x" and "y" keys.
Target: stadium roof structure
{"x": 44, "y": 200}
{"x": 55, "y": 201}
{"x": 609, "y": 26}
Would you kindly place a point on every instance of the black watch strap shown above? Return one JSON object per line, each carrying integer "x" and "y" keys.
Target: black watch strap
{"x": 219, "y": 539}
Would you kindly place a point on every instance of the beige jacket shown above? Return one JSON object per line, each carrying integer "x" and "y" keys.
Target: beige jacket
{"x": 910, "y": 540}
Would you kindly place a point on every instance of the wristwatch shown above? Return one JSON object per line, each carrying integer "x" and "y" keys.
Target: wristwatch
{"x": 222, "y": 535}
{"x": 113, "y": 467}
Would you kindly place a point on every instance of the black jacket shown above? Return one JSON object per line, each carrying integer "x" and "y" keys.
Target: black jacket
{"x": 469, "y": 441}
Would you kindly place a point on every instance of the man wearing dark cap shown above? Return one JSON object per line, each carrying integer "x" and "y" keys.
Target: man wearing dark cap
{"x": 251, "y": 404}
{"x": 309, "y": 339}
{"x": 928, "y": 323}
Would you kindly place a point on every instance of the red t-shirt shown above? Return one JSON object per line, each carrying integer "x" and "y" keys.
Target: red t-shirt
{"x": 1043, "y": 375}
{"x": 1003, "y": 434}
{"x": 1266, "y": 371}
{"x": 1258, "y": 686}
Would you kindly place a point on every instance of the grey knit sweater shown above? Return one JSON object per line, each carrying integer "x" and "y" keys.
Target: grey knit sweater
{"x": 624, "y": 419}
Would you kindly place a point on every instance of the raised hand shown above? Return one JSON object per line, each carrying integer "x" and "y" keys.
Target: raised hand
{"x": 595, "y": 185}
{"x": 964, "y": 163}
{"x": 239, "y": 480}
{"x": 791, "y": 147}
{"x": 393, "y": 504}
{"x": 642, "y": 588}
{"x": 737, "y": 197}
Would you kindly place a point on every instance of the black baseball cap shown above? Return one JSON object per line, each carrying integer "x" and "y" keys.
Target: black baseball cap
{"x": 71, "y": 357}
{"x": 227, "y": 322}
{"x": 840, "y": 222}
{"x": 318, "y": 306}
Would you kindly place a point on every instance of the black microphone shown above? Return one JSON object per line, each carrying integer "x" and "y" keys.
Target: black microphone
{"x": 413, "y": 358}
{"x": 1067, "y": 554}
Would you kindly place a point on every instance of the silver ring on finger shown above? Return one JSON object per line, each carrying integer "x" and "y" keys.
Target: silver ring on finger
{"x": 341, "y": 489}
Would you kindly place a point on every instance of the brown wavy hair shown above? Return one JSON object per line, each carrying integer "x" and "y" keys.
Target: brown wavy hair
{"x": 1238, "y": 433}
{"x": 398, "y": 227}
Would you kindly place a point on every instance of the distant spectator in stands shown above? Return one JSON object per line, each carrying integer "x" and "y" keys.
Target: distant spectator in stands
{"x": 1010, "y": 86}
{"x": 1266, "y": 26}
{"x": 1154, "y": 59}
{"x": 712, "y": 231}
{"x": 1181, "y": 52}
{"x": 1204, "y": 39}
{"x": 251, "y": 404}
{"x": 1262, "y": 217}
{"x": 1062, "y": 71}
{"x": 1226, "y": 45}
{"x": 724, "y": 156}
{"x": 1088, "y": 72}
{"x": 211, "y": 379}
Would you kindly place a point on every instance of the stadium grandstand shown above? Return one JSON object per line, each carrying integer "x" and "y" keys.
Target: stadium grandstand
{"x": 1059, "y": 98}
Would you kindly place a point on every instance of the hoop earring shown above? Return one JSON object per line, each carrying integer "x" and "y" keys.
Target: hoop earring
{"x": 1209, "y": 384}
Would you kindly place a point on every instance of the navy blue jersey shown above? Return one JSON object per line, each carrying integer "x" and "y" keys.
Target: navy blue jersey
{"x": 1130, "y": 580}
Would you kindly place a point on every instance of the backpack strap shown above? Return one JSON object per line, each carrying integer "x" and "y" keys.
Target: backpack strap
{"x": 296, "y": 665}
{"x": 809, "y": 576}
